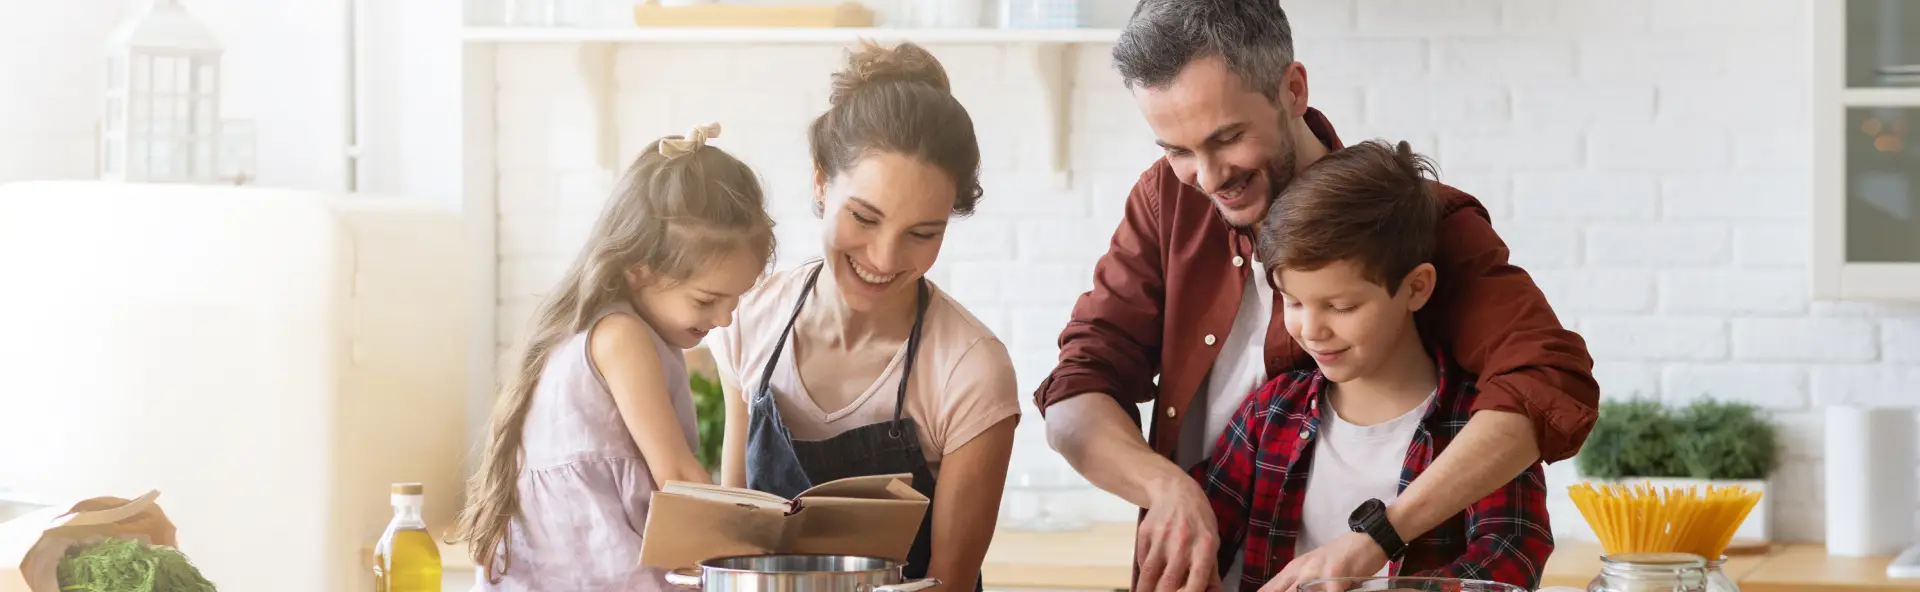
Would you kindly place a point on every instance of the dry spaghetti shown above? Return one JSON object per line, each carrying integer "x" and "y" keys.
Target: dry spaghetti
{"x": 1642, "y": 518}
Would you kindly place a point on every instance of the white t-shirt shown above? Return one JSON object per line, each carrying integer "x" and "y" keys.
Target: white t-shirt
{"x": 1240, "y": 369}
{"x": 1352, "y": 464}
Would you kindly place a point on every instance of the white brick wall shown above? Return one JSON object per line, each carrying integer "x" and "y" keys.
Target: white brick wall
{"x": 1645, "y": 160}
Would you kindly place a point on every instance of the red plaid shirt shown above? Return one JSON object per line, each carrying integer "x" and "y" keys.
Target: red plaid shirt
{"x": 1257, "y": 481}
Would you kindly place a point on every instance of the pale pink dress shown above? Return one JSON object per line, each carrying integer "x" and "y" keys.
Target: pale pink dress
{"x": 585, "y": 490}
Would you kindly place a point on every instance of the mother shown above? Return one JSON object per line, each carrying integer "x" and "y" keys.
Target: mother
{"x": 855, "y": 364}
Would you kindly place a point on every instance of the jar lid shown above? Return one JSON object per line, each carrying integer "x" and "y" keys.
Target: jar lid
{"x": 1656, "y": 559}
{"x": 409, "y": 489}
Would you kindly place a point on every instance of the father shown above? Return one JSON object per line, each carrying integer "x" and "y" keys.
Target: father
{"x": 1218, "y": 85}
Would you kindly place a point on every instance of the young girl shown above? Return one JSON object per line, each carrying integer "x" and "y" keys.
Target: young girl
{"x": 598, "y": 414}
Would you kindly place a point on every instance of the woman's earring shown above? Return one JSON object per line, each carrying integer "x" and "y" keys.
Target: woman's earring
{"x": 819, "y": 209}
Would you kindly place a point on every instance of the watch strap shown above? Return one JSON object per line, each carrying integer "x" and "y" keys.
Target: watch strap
{"x": 1371, "y": 519}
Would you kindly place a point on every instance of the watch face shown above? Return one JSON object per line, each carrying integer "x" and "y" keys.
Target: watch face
{"x": 1362, "y": 515}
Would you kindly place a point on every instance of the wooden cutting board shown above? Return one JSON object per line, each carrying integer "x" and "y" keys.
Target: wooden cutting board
{"x": 845, "y": 14}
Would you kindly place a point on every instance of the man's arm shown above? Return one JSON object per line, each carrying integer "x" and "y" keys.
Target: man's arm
{"x": 1535, "y": 376}
{"x": 1109, "y": 353}
{"x": 1483, "y": 457}
{"x": 1508, "y": 536}
{"x": 1498, "y": 325}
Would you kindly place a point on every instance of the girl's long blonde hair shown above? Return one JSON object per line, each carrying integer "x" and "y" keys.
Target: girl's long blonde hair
{"x": 680, "y": 207}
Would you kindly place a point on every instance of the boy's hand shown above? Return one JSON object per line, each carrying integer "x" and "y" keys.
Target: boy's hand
{"x": 1178, "y": 540}
{"x": 1353, "y": 555}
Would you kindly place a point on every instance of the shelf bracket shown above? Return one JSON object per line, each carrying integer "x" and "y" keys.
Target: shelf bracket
{"x": 597, "y": 69}
{"x": 1051, "y": 65}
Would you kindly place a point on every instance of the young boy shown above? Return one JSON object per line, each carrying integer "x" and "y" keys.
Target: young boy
{"x": 1316, "y": 454}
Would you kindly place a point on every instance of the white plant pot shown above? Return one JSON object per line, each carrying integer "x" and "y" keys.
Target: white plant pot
{"x": 1569, "y": 524}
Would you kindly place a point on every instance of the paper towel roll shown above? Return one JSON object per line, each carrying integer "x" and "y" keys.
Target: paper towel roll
{"x": 1870, "y": 480}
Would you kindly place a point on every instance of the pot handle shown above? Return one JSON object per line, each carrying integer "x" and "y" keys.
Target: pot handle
{"x": 684, "y": 578}
{"x": 909, "y": 586}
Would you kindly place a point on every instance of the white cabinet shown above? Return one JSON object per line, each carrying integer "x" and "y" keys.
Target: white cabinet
{"x": 1866, "y": 149}
{"x": 270, "y": 360}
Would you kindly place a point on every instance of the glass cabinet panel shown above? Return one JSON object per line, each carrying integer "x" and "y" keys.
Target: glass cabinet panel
{"x": 1883, "y": 43}
{"x": 1883, "y": 185}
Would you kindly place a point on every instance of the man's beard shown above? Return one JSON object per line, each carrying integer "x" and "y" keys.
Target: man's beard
{"x": 1279, "y": 172}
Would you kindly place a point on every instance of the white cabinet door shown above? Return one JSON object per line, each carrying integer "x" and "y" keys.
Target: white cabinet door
{"x": 1866, "y": 86}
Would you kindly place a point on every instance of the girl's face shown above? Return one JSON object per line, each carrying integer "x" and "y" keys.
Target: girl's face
{"x": 683, "y": 312}
{"x": 885, "y": 220}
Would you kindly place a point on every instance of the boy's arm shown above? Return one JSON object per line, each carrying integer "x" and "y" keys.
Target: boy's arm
{"x": 1508, "y": 536}
{"x": 1230, "y": 475}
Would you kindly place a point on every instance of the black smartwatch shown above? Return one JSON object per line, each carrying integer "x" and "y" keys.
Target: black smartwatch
{"x": 1371, "y": 519}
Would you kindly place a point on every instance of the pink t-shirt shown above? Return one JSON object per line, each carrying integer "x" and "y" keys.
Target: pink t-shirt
{"x": 962, "y": 381}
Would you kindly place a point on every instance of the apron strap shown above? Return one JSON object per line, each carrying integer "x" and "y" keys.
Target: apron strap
{"x": 913, "y": 349}
{"x": 766, "y": 373}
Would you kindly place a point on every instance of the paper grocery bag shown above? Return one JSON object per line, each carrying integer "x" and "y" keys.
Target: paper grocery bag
{"x": 31, "y": 546}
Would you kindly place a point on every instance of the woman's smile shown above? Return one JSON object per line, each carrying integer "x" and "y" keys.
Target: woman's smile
{"x": 867, "y": 275}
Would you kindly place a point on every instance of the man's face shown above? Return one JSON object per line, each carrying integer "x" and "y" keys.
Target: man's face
{"x": 1224, "y": 138}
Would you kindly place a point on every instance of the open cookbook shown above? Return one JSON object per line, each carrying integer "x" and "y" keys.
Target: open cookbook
{"x": 876, "y": 516}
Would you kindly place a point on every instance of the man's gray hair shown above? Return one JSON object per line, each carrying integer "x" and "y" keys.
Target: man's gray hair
{"x": 1163, "y": 36}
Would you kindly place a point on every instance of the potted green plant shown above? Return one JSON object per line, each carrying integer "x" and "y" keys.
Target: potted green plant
{"x": 710, "y": 416}
{"x": 1707, "y": 442}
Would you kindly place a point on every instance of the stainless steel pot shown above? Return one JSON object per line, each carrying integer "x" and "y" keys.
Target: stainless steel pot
{"x": 799, "y": 573}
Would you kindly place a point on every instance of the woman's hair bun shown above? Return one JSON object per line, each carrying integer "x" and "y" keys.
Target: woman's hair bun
{"x": 871, "y": 65}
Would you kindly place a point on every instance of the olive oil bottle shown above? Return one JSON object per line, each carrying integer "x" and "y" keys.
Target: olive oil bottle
{"x": 406, "y": 559}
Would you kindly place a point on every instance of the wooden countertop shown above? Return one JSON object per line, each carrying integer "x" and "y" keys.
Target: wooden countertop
{"x": 1100, "y": 557}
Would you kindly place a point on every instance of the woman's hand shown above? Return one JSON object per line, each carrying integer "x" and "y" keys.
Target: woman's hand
{"x": 967, "y": 505}
{"x": 733, "y": 447}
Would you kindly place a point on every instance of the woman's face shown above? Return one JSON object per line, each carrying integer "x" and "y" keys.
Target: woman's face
{"x": 886, "y": 217}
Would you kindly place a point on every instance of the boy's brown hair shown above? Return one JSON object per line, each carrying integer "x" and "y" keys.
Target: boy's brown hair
{"x": 1370, "y": 202}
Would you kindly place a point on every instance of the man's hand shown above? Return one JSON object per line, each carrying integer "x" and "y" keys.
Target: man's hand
{"x": 1178, "y": 540}
{"x": 1353, "y": 555}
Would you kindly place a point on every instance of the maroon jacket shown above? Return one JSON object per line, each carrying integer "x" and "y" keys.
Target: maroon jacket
{"x": 1166, "y": 292}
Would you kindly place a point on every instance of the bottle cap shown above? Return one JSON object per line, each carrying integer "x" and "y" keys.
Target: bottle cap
{"x": 409, "y": 489}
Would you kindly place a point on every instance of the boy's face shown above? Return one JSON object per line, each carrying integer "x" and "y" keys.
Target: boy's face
{"x": 1348, "y": 324}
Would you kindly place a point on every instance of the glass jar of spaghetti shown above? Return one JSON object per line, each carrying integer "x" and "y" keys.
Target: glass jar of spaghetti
{"x": 1650, "y": 572}
{"x": 1717, "y": 579}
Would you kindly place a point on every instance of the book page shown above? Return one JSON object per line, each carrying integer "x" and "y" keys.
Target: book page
{"x": 844, "y": 526}
{"x": 720, "y": 493}
{"x": 682, "y": 530}
{"x": 866, "y": 487}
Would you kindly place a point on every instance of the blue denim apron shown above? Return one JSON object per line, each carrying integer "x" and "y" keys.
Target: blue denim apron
{"x": 780, "y": 465}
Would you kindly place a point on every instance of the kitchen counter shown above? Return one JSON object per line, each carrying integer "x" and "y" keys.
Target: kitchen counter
{"x": 1099, "y": 557}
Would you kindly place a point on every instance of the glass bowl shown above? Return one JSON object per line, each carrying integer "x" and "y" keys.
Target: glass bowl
{"x": 1407, "y": 584}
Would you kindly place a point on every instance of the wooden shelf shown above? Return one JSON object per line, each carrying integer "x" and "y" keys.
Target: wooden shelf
{"x": 1048, "y": 56}
{"x": 780, "y": 35}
